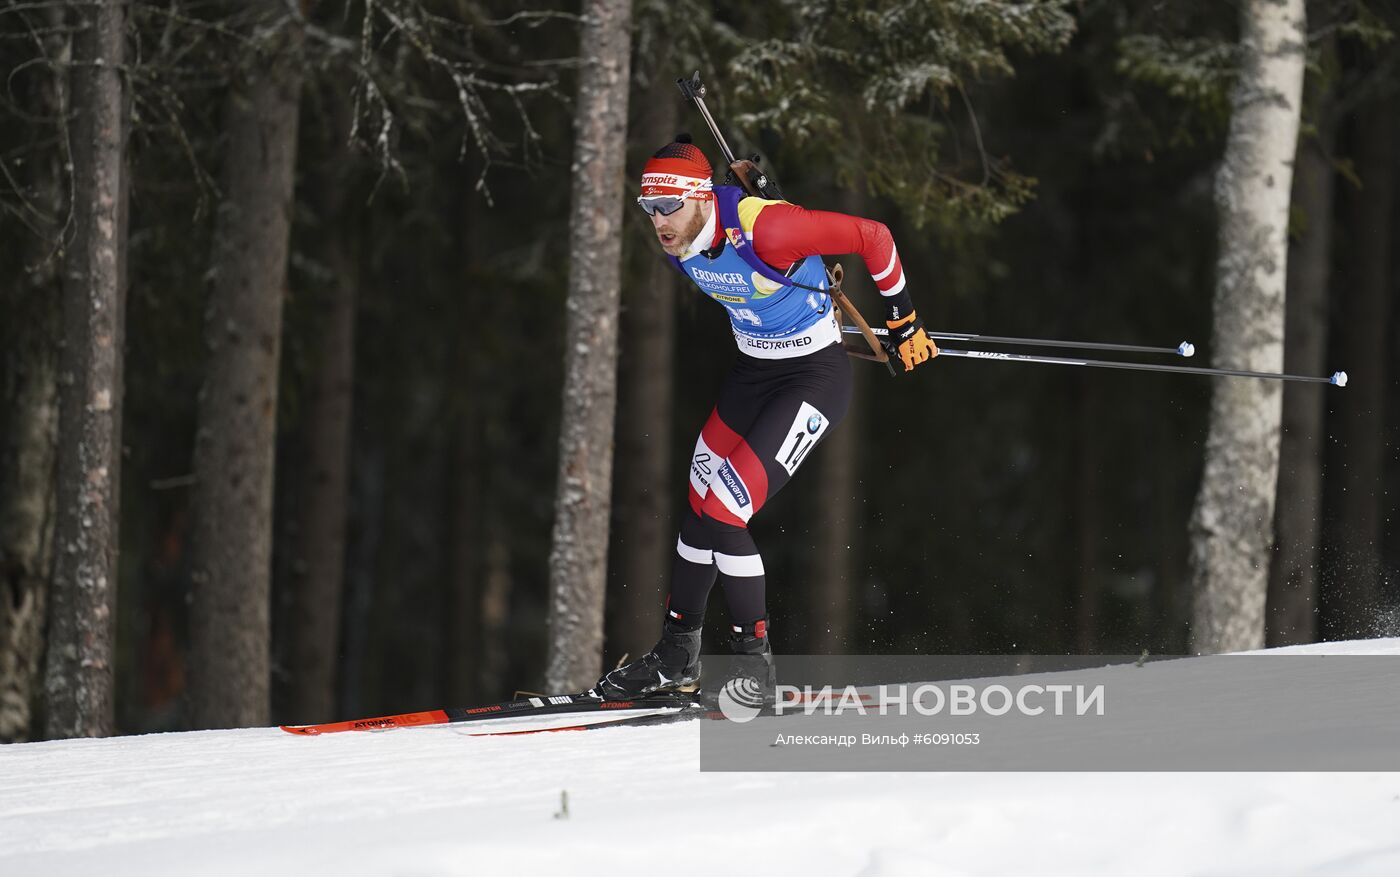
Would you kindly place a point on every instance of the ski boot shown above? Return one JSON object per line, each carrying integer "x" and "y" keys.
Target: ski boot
{"x": 752, "y": 678}
{"x": 673, "y": 664}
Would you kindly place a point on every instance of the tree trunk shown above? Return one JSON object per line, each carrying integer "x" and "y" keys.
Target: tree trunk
{"x": 319, "y": 577}
{"x": 233, "y": 459}
{"x": 579, "y": 549}
{"x": 78, "y": 676}
{"x": 836, "y": 522}
{"x": 836, "y": 527}
{"x": 471, "y": 405}
{"x": 29, "y": 353}
{"x": 367, "y": 535}
{"x": 494, "y": 605}
{"x": 462, "y": 615}
{"x": 1293, "y": 575}
{"x": 29, "y": 405}
{"x": 1089, "y": 450}
{"x": 643, "y": 497}
{"x": 1356, "y": 480}
{"x": 30, "y": 410}
{"x": 1232, "y": 523}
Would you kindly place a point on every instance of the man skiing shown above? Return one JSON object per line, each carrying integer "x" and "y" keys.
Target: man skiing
{"x": 761, "y": 260}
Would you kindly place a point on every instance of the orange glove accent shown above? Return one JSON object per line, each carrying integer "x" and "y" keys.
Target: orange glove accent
{"x": 909, "y": 342}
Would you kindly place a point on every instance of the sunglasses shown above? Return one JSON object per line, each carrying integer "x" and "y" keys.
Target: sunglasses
{"x": 664, "y": 205}
{"x": 668, "y": 204}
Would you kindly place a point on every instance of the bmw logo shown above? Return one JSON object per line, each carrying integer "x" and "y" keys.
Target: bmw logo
{"x": 814, "y": 423}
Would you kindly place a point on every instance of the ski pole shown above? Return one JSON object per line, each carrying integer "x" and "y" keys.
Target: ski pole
{"x": 1337, "y": 379}
{"x": 1184, "y": 349}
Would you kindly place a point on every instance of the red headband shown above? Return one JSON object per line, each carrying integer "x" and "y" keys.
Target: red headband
{"x": 677, "y": 168}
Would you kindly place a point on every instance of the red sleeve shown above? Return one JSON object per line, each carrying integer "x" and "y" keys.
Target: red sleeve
{"x": 785, "y": 233}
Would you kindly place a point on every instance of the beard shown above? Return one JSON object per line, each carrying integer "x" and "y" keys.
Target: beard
{"x": 686, "y": 234}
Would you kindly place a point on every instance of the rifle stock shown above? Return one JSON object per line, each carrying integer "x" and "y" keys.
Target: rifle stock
{"x": 844, "y": 306}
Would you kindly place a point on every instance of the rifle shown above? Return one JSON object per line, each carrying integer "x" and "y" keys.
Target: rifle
{"x": 761, "y": 184}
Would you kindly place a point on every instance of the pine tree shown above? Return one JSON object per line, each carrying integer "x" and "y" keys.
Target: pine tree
{"x": 579, "y": 546}
{"x": 82, "y": 609}
{"x": 29, "y": 351}
{"x": 231, "y": 544}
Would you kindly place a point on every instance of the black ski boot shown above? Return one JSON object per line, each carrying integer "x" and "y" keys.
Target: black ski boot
{"x": 673, "y": 664}
{"x": 752, "y": 678}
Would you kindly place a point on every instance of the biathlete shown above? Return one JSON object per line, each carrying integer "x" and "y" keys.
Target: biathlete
{"x": 791, "y": 385}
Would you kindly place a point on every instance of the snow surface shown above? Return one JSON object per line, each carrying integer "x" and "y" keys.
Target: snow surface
{"x": 430, "y": 801}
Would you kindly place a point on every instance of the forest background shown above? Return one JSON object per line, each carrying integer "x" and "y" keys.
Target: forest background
{"x": 1048, "y": 169}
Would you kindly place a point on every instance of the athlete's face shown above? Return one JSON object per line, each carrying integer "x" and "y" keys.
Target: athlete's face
{"x": 677, "y": 230}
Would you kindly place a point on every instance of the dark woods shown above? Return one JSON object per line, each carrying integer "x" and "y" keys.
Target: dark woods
{"x": 283, "y": 338}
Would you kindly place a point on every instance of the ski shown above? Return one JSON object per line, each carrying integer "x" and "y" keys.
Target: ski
{"x": 642, "y": 717}
{"x": 582, "y": 710}
{"x": 655, "y": 710}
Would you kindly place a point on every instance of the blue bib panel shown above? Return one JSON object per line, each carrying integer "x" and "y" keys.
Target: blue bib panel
{"x": 764, "y": 306}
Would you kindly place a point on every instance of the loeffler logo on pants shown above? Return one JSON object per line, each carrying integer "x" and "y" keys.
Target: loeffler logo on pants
{"x": 700, "y": 465}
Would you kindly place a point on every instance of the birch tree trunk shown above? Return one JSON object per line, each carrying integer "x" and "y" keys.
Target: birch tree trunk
{"x": 231, "y": 539}
{"x": 1356, "y": 480}
{"x": 643, "y": 496}
{"x": 1293, "y": 575}
{"x": 1232, "y": 523}
{"x": 78, "y": 674}
{"x": 29, "y": 350}
{"x": 579, "y": 550}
